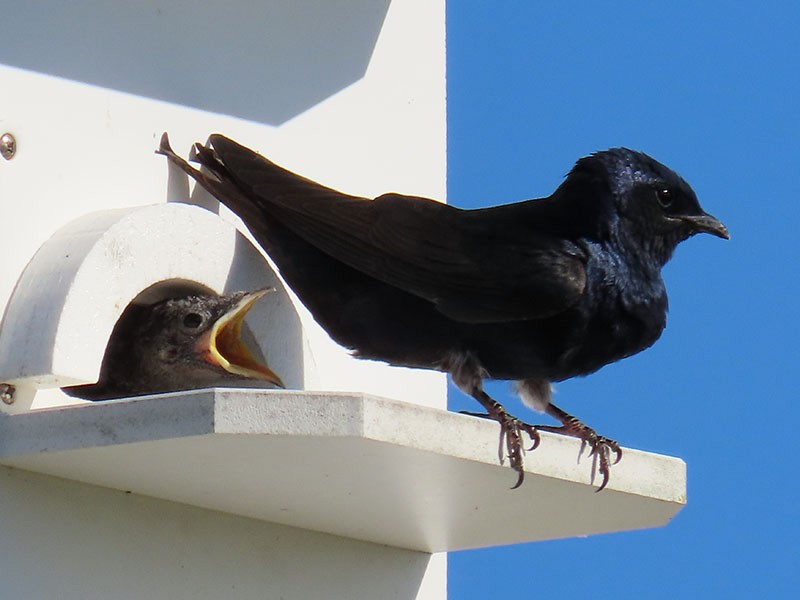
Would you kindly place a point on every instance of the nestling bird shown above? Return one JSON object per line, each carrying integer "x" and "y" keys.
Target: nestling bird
{"x": 536, "y": 291}
{"x": 179, "y": 344}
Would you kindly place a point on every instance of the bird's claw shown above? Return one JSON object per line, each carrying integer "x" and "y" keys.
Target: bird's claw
{"x": 511, "y": 430}
{"x": 601, "y": 453}
{"x": 533, "y": 433}
{"x": 511, "y": 445}
{"x": 606, "y": 445}
{"x": 600, "y": 447}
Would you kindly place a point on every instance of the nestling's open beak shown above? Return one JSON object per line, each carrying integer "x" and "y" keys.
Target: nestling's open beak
{"x": 705, "y": 223}
{"x": 227, "y": 349}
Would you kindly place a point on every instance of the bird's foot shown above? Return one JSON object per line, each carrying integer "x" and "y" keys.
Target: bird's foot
{"x": 511, "y": 445}
{"x": 601, "y": 447}
{"x": 468, "y": 375}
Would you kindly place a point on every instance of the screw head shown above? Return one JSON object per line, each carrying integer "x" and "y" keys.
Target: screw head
{"x": 7, "y": 393}
{"x": 8, "y": 146}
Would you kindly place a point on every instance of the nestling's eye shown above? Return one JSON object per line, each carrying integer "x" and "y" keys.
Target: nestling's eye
{"x": 664, "y": 197}
{"x": 192, "y": 320}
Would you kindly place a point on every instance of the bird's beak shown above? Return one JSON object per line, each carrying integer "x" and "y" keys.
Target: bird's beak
{"x": 705, "y": 223}
{"x": 227, "y": 349}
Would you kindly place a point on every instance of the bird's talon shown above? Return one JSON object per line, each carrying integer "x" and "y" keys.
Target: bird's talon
{"x": 520, "y": 479}
{"x": 602, "y": 450}
{"x": 511, "y": 442}
{"x": 606, "y": 476}
{"x": 600, "y": 447}
{"x": 501, "y": 456}
{"x": 617, "y": 450}
{"x": 583, "y": 448}
{"x": 533, "y": 433}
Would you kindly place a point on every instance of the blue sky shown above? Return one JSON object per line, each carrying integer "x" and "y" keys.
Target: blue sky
{"x": 710, "y": 89}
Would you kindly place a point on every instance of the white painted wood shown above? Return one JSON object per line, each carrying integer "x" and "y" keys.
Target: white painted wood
{"x": 352, "y": 465}
{"x": 71, "y": 541}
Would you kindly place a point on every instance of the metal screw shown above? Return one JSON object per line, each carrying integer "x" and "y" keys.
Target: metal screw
{"x": 8, "y": 146}
{"x": 7, "y": 393}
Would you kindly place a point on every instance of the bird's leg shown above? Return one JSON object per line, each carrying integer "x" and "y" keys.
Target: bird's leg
{"x": 468, "y": 376}
{"x": 531, "y": 430}
{"x": 601, "y": 446}
{"x": 511, "y": 430}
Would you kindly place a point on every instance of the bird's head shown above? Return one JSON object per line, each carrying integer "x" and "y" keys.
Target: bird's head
{"x": 199, "y": 339}
{"x": 651, "y": 203}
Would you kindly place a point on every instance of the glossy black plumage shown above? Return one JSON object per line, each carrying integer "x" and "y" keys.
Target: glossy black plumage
{"x": 536, "y": 291}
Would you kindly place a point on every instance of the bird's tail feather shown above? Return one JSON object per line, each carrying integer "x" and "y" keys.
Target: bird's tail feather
{"x": 214, "y": 176}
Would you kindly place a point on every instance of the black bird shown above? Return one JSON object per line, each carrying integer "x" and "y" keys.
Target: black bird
{"x": 178, "y": 344}
{"x": 537, "y": 291}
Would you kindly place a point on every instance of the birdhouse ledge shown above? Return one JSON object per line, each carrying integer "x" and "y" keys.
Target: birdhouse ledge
{"x": 349, "y": 464}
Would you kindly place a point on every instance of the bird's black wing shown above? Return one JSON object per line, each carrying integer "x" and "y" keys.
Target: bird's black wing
{"x": 474, "y": 266}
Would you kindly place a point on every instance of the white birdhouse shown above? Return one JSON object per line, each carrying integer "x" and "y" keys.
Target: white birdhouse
{"x": 355, "y": 481}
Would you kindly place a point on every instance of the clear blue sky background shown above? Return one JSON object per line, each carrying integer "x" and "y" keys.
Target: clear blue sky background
{"x": 710, "y": 89}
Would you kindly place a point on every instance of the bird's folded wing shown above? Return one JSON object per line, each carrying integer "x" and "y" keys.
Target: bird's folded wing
{"x": 472, "y": 273}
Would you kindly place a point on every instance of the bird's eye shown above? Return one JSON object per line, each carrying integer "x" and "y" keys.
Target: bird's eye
{"x": 192, "y": 320}
{"x": 664, "y": 197}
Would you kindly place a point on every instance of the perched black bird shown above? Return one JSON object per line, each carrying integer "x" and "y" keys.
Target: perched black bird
{"x": 537, "y": 291}
{"x": 178, "y": 344}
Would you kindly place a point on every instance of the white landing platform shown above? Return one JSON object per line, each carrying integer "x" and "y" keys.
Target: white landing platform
{"x": 348, "y": 464}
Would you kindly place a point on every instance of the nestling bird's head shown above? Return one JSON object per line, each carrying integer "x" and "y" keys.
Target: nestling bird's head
{"x": 198, "y": 334}
{"x": 650, "y": 202}
{"x": 177, "y": 344}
